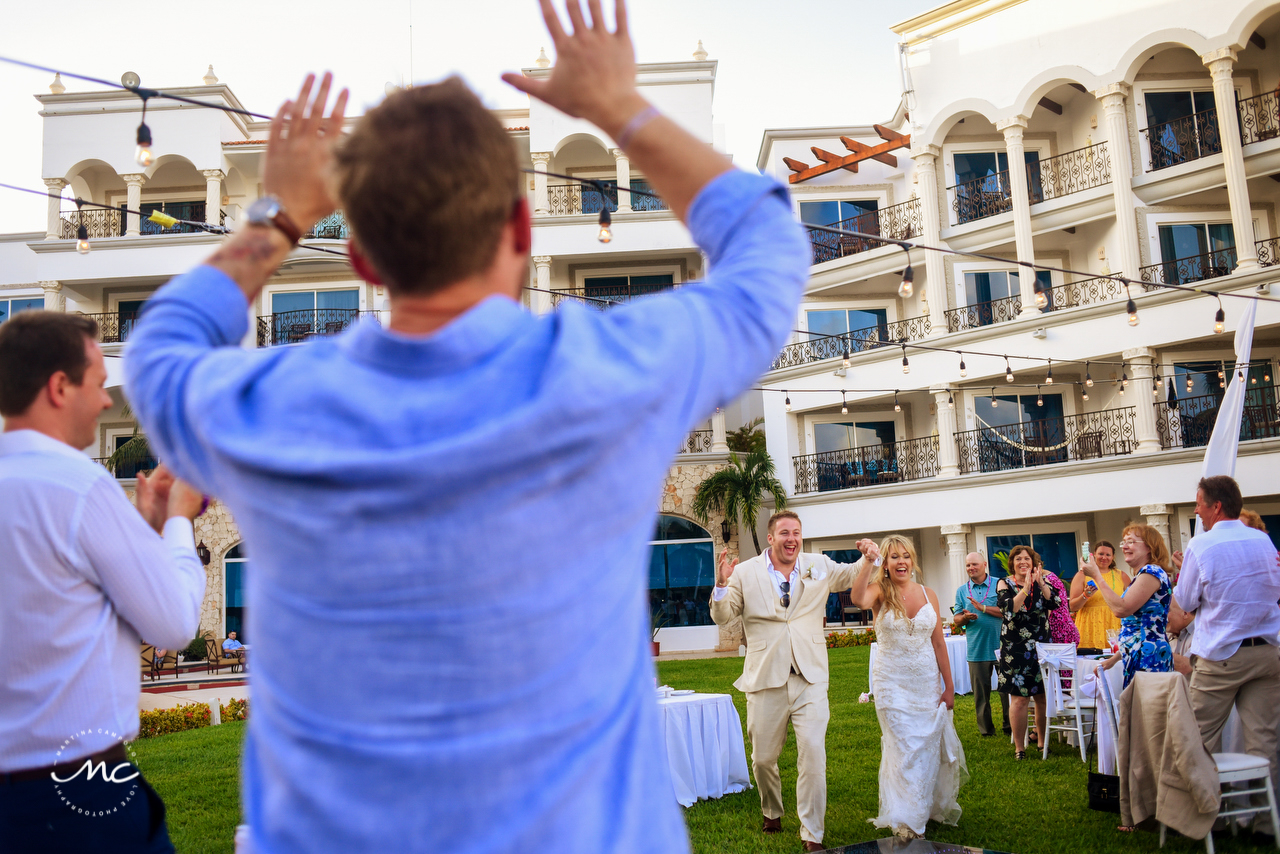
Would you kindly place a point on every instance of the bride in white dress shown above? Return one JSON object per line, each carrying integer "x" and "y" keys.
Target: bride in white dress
{"x": 922, "y": 762}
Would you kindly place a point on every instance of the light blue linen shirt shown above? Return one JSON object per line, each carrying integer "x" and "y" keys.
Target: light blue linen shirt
{"x": 448, "y": 539}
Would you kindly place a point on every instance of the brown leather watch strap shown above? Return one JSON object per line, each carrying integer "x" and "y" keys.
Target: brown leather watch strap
{"x": 287, "y": 226}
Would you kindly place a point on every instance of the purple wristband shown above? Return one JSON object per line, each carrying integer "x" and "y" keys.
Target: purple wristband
{"x": 638, "y": 121}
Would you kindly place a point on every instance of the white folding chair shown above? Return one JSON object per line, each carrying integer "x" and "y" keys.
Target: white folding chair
{"x": 1240, "y": 768}
{"x": 1110, "y": 709}
{"x": 1062, "y": 701}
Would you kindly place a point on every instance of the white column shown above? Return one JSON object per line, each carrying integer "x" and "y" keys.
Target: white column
{"x": 1220, "y": 63}
{"x": 134, "y": 182}
{"x": 957, "y": 547}
{"x": 1157, "y": 516}
{"x": 53, "y": 298}
{"x": 948, "y": 454}
{"x": 1140, "y": 375}
{"x": 718, "y": 443}
{"x": 1121, "y": 155}
{"x": 623, "y": 163}
{"x": 53, "y": 226}
{"x": 926, "y": 159}
{"x": 212, "y": 195}
{"x": 1013, "y": 128}
{"x": 540, "y": 300}
{"x": 540, "y": 160}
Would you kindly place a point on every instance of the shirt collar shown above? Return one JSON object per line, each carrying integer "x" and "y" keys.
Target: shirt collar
{"x": 768, "y": 563}
{"x": 469, "y": 338}
{"x": 35, "y": 442}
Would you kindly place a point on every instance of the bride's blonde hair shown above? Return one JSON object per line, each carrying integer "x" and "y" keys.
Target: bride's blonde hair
{"x": 889, "y": 593}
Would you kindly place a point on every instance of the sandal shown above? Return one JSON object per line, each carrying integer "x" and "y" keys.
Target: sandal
{"x": 1020, "y": 755}
{"x": 1126, "y": 828}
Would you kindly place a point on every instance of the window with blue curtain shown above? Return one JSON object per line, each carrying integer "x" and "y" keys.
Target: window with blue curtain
{"x": 832, "y": 211}
{"x": 833, "y": 600}
{"x": 10, "y": 307}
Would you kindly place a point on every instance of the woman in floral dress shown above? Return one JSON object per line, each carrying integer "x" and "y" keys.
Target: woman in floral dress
{"x": 1026, "y": 598}
{"x": 1143, "y": 608}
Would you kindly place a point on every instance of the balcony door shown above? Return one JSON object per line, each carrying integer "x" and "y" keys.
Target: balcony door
{"x": 297, "y": 314}
{"x": 127, "y": 314}
{"x": 1200, "y": 390}
{"x": 1181, "y": 126}
{"x": 682, "y": 572}
{"x": 235, "y": 564}
{"x": 859, "y": 328}
{"x": 1193, "y": 252}
{"x": 982, "y": 182}
{"x": 991, "y": 294}
{"x": 1018, "y": 427}
{"x": 622, "y": 288}
{"x": 856, "y": 453}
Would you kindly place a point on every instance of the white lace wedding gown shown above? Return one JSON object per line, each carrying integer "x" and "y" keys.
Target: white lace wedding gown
{"x": 922, "y": 762}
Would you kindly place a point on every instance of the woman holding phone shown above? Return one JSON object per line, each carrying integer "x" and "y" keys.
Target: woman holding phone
{"x": 1092, "y": 616}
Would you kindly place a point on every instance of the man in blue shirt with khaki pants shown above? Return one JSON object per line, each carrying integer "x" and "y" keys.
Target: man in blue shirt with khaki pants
{"x": 977, "y": 611}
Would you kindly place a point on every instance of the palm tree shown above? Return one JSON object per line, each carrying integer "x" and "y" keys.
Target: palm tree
{"x": 747, "y": 438}
{"x": 136, "y": 452}
{"x": 735, "y": 491}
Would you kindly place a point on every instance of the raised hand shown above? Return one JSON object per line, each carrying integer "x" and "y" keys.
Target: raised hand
{"x": 153, "y": 496}
{"x": 184, "y": 500}
{"x": 300, "y": 153}
{"x": 1091, "y": 569}
{"x": 869, "y": 549}
{"x": 594, "y": 77}
{"x": 724, "y": 569}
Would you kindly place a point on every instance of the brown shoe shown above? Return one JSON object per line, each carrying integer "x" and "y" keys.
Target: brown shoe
{"x": 813, "y": 846}
{"x": 773, "y": 825}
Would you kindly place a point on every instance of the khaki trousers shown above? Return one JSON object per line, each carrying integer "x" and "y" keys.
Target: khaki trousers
{"x": 1250, "y": 681}
{"x": 804, "y": 704}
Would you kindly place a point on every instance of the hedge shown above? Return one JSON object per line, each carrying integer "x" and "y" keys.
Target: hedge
{"x": 190, "y": 716}
{"x": 836, "y": 640}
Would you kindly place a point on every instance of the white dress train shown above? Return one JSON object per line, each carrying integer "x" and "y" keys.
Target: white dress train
{"x": 922, "y": 763}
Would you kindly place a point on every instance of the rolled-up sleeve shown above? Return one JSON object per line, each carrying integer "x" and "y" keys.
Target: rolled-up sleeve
{"x": 154, "y": 583}
{"x": 1187, "y": 593}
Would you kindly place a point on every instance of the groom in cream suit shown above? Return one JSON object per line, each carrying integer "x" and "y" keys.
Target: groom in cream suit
{"x": 781, "y": 597}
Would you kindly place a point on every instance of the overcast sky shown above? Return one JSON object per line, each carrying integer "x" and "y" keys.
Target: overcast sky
{"x": 783, "y": 63}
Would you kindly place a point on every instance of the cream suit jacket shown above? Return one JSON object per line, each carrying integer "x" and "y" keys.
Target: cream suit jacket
{"x": 777, "y": 637}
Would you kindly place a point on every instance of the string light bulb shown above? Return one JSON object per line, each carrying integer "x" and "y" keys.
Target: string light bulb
{"x": 1155, "y": 387}
{"x": 1121, "y": 389}
{"x": 1042, "y": 298}
{"x": 844, "y": 405}
{"x": 1171, "y": 397}
{"x": 1219, "y": 319}
{"x": 906, "y": 366}
{"x": 1048, "y": 380}
{"x": 1124, "y": 379}
{"x": 951, "y": 400}
{"x": 1039, "y": 397}
{"x": 1088, "y": 380}
{"x": 963, "y": 373}
{"x": 1131, "y": 308}
{"x": 897, "y": 407}
{"x": 606, "y": 233}
{"x": 1008, "y": 371}
{"x": 787, "y": 402}
{"x": 845, "y": 361}
{"x": 1189, "y": 383}
{"x": 142, "y": 154}
{"x": 1085, "y": 393}
{"x": 908, "y": 283}
{"x": 994, "y": 402}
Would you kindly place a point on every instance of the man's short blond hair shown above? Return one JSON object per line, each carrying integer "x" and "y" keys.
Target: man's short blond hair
{"x": 782, "y": 514}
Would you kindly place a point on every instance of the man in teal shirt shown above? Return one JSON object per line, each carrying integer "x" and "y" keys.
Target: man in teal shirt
{"x": 977, "y": 611}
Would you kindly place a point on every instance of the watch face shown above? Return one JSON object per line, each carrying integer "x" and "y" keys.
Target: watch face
{"x": 262, "y": 210}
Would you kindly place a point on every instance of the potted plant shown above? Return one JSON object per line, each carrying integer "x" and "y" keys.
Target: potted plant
{"x": 657, "y": 619}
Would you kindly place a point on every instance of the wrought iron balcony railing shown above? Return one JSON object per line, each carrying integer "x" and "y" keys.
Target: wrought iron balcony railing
{"x": 332, "y": 227}
{"x": 602, "y": 298}
{"x": 290, "y": 327}
{"x": 697, "y": 442}
{"x": 1068, "y": 173}
{"x": 820, "y": 347}
{"x": 1183, "y": 140}
{"x": 900, "y": 222}
{"x": 576, "y": 198}
{"x": 1108, "y": 433}
{"x": 1188, "y": 422}
{"x": 981, "y": 197}
{"x": 114, "y": 326}
{"x": 1083, "y": 292}
{"x": 911, "y": 459}
{"x": 1259, "y": 117}
{"x": 126, "y": 470}
{"x": 1268, "y": 251}
{"x": 99, "y": 222}
{"x": 1195, "y": 268}
{"x": 983, "y": 313}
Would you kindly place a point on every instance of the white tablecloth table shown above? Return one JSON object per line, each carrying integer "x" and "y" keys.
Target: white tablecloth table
{"x": 703, "y": 736}
{"x": 957, "y": 653}
{"x": 1090, "y": 674}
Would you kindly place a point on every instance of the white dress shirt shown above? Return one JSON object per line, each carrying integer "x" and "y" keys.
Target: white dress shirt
{"x": 83, "y": 576}
{"x": 776, "y": 577}
{"x": 1230, "y": 580}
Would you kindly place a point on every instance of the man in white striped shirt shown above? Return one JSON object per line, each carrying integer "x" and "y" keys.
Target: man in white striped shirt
{"x": 84, "y": 576}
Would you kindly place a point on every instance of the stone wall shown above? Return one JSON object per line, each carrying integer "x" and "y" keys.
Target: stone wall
{"x": 677, "y": 499}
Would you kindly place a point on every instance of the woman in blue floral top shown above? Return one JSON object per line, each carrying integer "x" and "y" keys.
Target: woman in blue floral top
{"x": 1143, "y": 608}
{"x": 1025, "y": 598}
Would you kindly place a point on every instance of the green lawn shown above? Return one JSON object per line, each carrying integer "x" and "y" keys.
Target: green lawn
{"x": 1031, "y": 807}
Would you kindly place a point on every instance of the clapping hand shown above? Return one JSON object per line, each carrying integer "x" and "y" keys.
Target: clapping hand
{"x": 153, "y": 496}
{"x": 977, "y": 606}
{"x": 724, "y": 569}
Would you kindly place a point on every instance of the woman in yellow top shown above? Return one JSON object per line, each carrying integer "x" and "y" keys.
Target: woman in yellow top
{"x": 1090, "y": 612}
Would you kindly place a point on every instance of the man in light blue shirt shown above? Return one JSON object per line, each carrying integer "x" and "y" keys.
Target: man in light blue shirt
{"x": 466, "y": 498}
{"x": 977, "y": 611}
